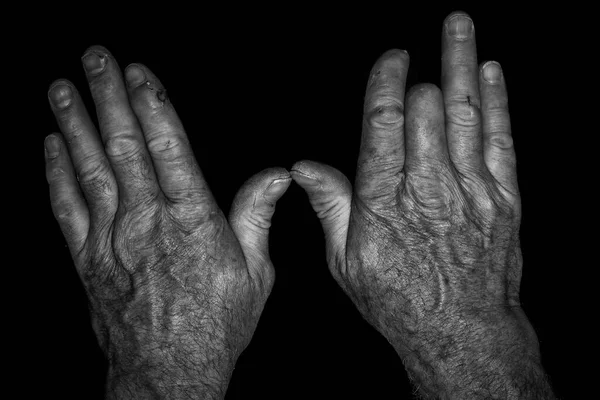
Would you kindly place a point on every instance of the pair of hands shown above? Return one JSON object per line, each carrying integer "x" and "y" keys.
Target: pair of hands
{"x": 425, "y": 244}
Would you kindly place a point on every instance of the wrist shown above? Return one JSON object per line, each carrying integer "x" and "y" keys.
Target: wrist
{"x": 165, "y": 382}
{"x": 143, "y": 386}
{"x": 484, "y": 356}
{"x": 204, "y": 375}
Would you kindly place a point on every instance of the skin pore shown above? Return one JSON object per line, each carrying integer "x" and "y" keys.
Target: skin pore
{"x": 425, "y": 243}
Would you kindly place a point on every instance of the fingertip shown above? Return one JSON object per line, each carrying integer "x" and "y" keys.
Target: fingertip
{"x": 305, "y": 168}
{"x": 52, "y": 146}
{"x": 134, "y": 75}
{"x": 428, "y": 90}
{"x": 305, "y": 173}
{"x": 454, "y": 14}
{"x": 275, "y": 182}
{"x": 390, "y": 70}
{"x": 60, "y": 94}
{"x": 98, "y": 50}
{"x": 306, "y": 182}
{"x": 319, "y": 177}
{"x": 138, "y": 73}
{"x": 263, "y": 179}
{"x": 95, "y": 60}
{"x": 321, "y": 172}
{"x": 276, "y": 189}
{"x": 277, "y": 173}
{"x": 392, "y": 57}
{"x": 491, "y": 72}
{"x": 267, "y": 185}
{"x": 60, "y": 81}
{"x": 96, "y": 47}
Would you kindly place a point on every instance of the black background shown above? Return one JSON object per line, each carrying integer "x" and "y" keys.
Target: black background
{"x": 254, "y": 95}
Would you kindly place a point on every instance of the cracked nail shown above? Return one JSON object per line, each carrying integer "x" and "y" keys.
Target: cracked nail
{"x": 52, "y": 146}
{"x": 460, "y": 27}
{"x": 94, "y": 63}
{"x": 492, "y": 72}
{"x": 134, "y": 76}
{"x": 61, "y": 96}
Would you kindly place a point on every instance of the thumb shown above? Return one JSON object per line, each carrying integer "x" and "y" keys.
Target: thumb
{"x": 250, "y": 217}
{"x": 330, "y": 194}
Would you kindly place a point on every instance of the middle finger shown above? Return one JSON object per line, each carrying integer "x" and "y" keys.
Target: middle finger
{"x": 460, "y": 87}
{"x": 122, "y": 136}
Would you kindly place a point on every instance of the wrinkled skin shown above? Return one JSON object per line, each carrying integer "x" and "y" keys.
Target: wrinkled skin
{"x": 175, "y": 289}
{"x": 426, "y": 243}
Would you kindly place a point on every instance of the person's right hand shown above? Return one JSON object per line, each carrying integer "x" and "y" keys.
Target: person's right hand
{"x": 427, "y": 244}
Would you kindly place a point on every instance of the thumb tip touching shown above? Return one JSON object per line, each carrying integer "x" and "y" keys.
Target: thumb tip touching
{"x": 311, "y": 175}
{"x": 307, "y": 174}
{"x": 328, "y": 189}
{"x": 276, "y": 189}
{"x": 260, "y": 191}
{"x": 305, "y": 167}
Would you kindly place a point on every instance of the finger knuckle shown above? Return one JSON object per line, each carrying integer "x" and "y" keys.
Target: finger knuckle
{"x": 165, "y": 147}
{"x": 122, "y": 146}
{"x": 502, "y": 141}
{"x": 55, "y": 174}
{"x": 377, "y": 165}
{"x": 65, "y": 210}
{"x": 496, "y": 110}
{"x": 94, "y": 174}
{"x": 91, "y": 168}
{"x": 463, "y": 113}
{"x": 385, "y": 113}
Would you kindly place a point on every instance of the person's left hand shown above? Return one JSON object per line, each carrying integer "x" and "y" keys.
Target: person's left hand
{"x": 175, "y": 290}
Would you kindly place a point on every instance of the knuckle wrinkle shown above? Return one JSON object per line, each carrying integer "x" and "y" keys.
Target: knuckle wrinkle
{"x": 389, "y": 114}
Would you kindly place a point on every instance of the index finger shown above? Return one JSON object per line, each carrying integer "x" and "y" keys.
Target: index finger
{"x": 381, "y": 156}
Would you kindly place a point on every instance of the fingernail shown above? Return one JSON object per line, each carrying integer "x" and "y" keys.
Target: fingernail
{"x": 492, "y": 72}
{"x": 303, "y": 174}
{"x": 304, "y": 179}
{"x": 460, "y": 27}
{"x": 275, "y": 187}
{"x": 134, "y": 76}
{"x": 94, "y": 63}
{"x": 60, "y": 96}
{"x": 52, "y": 146}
